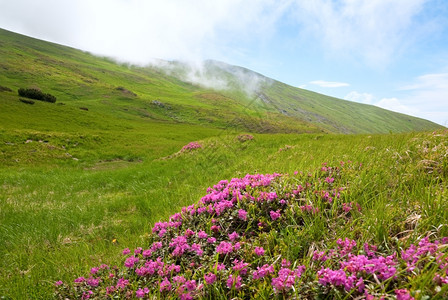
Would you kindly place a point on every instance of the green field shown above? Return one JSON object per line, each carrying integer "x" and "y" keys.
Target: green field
{"x": 77, "y": 186}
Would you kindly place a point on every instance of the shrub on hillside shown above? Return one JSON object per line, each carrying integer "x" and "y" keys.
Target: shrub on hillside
{"x": 36, "y": 94}
{"x": 250, "y": 238}
{"x": 245, "y": 137}
{"x": 126, "y": 91}
{"x": 5, "y": 89}
{"x": 27, "y": 101}
{"x": 190, "y": 146}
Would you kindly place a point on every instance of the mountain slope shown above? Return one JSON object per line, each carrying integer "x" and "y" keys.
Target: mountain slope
{"x": 79, "y": 185}
{"x": 213, "y": 95}
{"x": 332, "y": 114}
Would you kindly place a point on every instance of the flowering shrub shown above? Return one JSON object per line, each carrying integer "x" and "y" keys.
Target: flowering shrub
{"x": 190, "y": 146}
{"x": 241, "y": 240}
{"x": 245, "y": 137}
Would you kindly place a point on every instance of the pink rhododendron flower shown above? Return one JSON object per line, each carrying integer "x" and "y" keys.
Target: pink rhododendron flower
{"x": 403, "y": 294}
{"x": 140, "y": 293}
{"x": 131, "y": 261}
{"x": 319, "y": 255}
{"x": 242, "y": 214}
{"x": 93, "y": 271}
{"x": 262, "y": 271}
{"x": 147, "y": 253}
{"x": 189, "y": 233}
{"x": 80, "y": 279}
{"x": 179, "y": 280}
{"x": 110, "y": 290}
{"x": 215, "y": 228}
{"x": 234, "y": 281}
{"x": 210, "y": 278}
{"x": 191, "y": 285}
{"x": 234, "y": 236}
{"x": 274, "y": 214}
{"x": 220, "y": 267}
{"x": 224, "y": 248}
{"x": 237, "y": 246}
{"x": 360, "y": 285}
{"x": 86, "y": 295}
{"x": 197, "y": 248}
{"x": 191, "y": 146}
{"x": 240, "y": 266}
{"x": 122, "y": 283}
{"x": 165, "y": 285}
{"x": 441, "y": 280}
{"x": 186, "y": 252}
{"x": 346, "y": 245}
{"x": 93, "y": 282}
{"x": 286, "y": 279}
{"x": 336, "y": 277}
{"x": 202, "y": 234}
{"x": 347, "y": 207}
{"x": 186, "y": 296}
{"x": 259, "y": 251}
{"x": 286, "y": 263}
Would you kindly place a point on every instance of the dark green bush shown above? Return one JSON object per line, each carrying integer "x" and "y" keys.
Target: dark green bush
{"x": 27, "y": 101}
{"x": 5, "y": 89}
{"x": 126, "y": 91}
{"x": 36, "y": 94}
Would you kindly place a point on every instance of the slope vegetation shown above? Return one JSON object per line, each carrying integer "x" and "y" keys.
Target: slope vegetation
{"x": 88, "y": 176}
{"x": 214, "y": 95}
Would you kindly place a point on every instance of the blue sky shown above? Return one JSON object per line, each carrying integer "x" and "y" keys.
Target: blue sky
{"x": 389, "y": 53}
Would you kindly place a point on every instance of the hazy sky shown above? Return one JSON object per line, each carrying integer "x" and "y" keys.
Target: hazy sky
{"x": 389, "y": 53}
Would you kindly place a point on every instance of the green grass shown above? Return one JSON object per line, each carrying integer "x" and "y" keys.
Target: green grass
{"x": 60, "y": 219}
{"x": 76, "y": 186}
{"x": 127, "y": 93}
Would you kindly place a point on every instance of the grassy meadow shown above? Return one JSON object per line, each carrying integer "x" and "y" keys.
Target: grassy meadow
{"x": 62, "y": 216}
{"x": 85, "y": 177}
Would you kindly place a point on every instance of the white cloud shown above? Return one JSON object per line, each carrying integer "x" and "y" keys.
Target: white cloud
{"x": 329, "y": 84}
{"x": 360, "y": 97}
{"x": 426, "y": 97}
{"x": 375, "y": 30}
{"x": 141, "y": 30}
{"x": 429, "y": 95}
{"x": 437, "y": 81}
{"x": 394, "y": 104}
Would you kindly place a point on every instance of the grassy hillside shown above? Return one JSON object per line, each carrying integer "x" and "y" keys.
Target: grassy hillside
{"x": 78, "y": 186}
{"x": 265, "y": 94}
{"x": 59, "y": 219}
{"x": 124, "y": 94}
{"x": 131, "y": 94}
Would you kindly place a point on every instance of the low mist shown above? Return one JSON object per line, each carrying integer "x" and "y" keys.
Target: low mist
{"x": 214, "y": 75}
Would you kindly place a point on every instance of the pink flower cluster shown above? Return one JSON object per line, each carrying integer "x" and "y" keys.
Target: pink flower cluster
{"x": 225, "y": 246}
{"x": 245, "y": 137}
{"x": 286, "y": 278}
{"x": 354, "y": 270}
{"x": 190, "y": 146}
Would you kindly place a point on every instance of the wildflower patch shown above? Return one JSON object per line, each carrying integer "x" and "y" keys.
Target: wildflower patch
{"x": 240, "y": 240}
